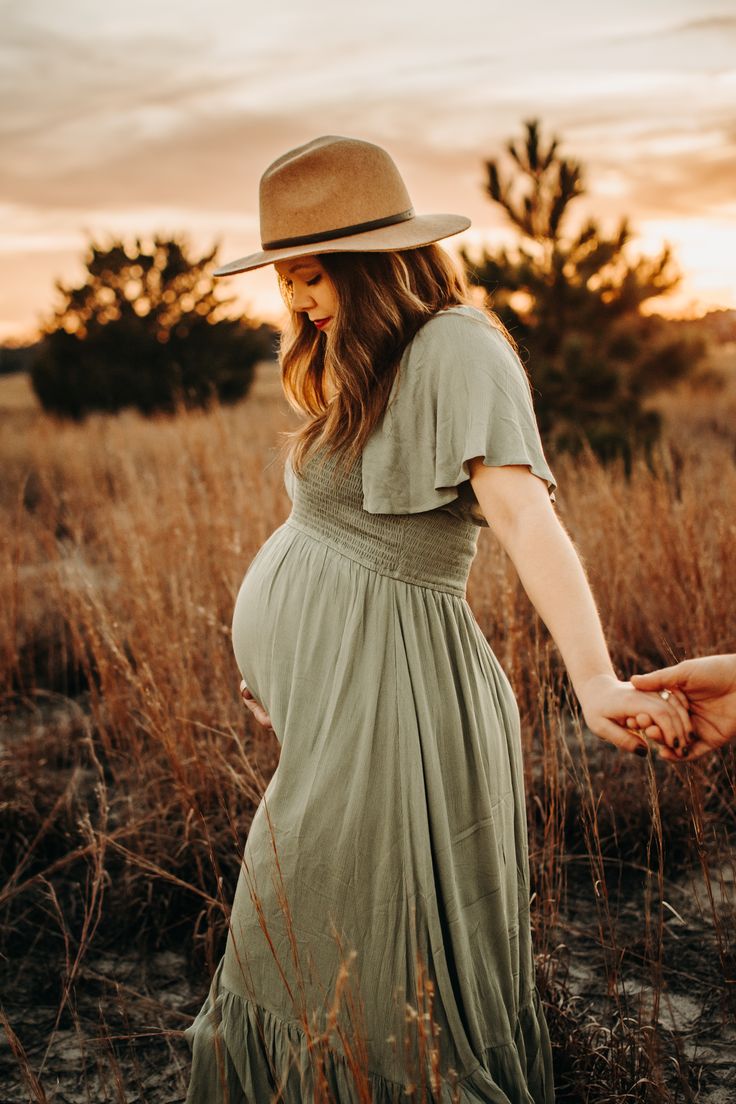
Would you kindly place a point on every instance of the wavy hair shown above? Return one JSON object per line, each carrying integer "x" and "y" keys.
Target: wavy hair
{"x": 383, "y": 301}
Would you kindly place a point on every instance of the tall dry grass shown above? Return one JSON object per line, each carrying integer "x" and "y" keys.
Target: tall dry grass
{"x": 130, "y": 773}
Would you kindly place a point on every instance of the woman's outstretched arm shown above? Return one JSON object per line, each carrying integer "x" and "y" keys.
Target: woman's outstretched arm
{"x": 517, "y": 507}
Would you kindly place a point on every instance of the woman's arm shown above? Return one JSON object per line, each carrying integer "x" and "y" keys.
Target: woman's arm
{"x": 517, "y": 507}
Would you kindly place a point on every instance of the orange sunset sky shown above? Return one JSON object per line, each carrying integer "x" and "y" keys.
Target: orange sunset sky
{"x": 136, "y": 118}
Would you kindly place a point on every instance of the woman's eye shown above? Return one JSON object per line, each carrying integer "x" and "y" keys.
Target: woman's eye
{"x": 313, "y": 281}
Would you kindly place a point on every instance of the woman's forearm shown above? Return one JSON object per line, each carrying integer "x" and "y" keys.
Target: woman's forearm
{"x": 554, "y": 579}
{"x": 519, "y": 512}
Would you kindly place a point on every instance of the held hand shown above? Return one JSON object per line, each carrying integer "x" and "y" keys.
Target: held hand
{"x": 645, "y": 725}
{"x": 256, "y": 709}
{"x": 709, "y": 684}
{"x": 607, "y": 702}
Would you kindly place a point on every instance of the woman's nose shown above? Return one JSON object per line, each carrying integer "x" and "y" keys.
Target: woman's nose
{"x": 303, "y": 300}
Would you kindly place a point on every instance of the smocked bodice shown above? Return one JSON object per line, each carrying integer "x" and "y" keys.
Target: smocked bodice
{"x": 433, "y": 549}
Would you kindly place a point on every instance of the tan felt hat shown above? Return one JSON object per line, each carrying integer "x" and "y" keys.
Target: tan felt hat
{"x": 335, "y": 195}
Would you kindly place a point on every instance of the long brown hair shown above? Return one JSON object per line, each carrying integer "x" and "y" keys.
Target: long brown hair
{"x": 383, "y": 300}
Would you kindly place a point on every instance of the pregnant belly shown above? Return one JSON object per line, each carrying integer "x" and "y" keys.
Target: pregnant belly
{"x": 266, "y": 617}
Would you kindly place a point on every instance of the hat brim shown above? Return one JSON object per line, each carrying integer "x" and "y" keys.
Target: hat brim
{"x": 411, "y": 234}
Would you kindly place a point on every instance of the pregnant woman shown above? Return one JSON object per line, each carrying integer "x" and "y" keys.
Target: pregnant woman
{"x": 393, "y": 828}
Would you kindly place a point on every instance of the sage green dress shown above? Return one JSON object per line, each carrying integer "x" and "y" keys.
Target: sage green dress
{"x": 397, "y": 809}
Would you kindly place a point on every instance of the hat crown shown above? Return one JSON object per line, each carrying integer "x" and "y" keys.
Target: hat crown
{"x": 329, "y": 184}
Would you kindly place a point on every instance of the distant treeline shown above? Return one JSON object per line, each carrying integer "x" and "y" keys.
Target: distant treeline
{"x": 716, "y": 326}
{"x": 17, "y": 358}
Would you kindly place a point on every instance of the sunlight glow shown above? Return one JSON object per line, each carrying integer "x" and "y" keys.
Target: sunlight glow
{"x": 704, "y": 251}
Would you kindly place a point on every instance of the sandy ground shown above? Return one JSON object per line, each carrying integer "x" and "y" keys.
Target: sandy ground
{"x": 121, "y": 1038}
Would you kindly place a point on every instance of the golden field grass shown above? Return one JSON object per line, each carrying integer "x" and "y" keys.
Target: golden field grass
{"x": 130, "y": 769}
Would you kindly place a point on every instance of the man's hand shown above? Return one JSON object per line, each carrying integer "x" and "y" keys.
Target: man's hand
{"x": 709, "y": 684}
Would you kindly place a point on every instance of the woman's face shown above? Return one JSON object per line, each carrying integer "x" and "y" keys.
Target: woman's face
{"x": 310, "y": 289}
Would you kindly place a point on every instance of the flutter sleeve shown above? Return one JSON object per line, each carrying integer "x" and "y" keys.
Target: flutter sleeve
{"x": 461, "y": 391}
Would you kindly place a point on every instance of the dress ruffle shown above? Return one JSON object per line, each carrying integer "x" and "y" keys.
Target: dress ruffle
{"x": 460, "y": 392}
{"x": 243, "y": 1053}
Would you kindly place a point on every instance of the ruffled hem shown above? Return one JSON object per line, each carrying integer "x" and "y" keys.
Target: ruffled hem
{"x": 243, "y": 1053}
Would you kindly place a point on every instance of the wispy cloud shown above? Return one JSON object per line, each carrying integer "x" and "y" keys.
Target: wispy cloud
{"x": 169, "y": 113}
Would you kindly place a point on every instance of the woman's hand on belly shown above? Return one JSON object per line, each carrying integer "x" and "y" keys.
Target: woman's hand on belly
{"x": 256, "y": 709}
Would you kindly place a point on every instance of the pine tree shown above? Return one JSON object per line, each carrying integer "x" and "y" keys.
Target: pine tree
{"x": 571, "y": 300}
{"x": 144, "y": 329}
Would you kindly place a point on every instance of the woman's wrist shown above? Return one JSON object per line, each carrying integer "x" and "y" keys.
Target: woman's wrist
{"x": 591, "y": 685}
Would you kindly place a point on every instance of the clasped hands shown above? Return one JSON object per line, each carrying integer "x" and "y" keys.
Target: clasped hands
{"x": 633, "y": 720}
{"x": 684, "y": 711}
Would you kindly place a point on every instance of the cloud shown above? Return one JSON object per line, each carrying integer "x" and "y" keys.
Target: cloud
{"x": 132, "y": 117}
{"x": 723, "y": 24}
